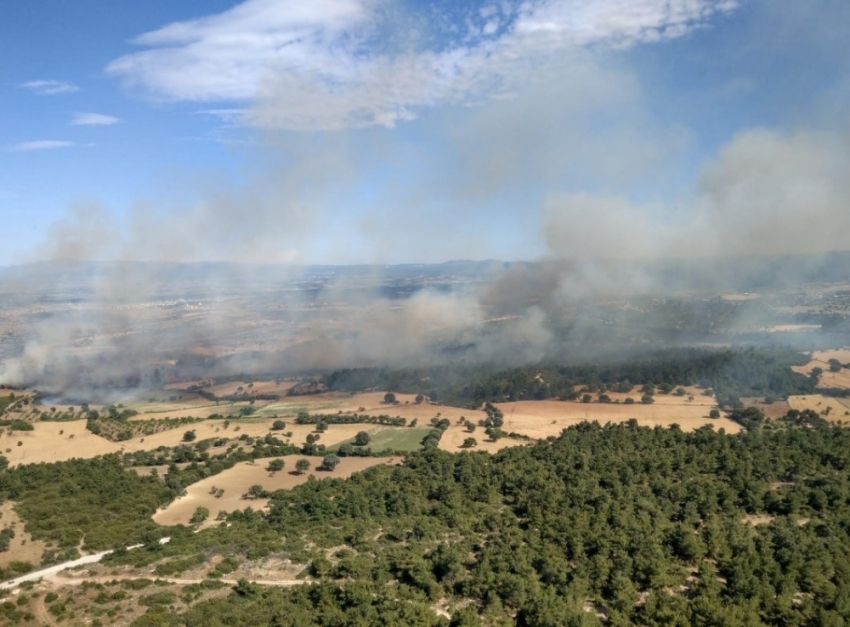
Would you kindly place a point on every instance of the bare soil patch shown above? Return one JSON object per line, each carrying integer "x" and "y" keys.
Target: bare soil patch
{"x": 237, "y": 480}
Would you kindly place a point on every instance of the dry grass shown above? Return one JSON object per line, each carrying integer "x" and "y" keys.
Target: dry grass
{"x": 22, "y": 548}
{"x": 774, "y": 410}
{"x": 216, "y": 429}
{"x": 540, "y": 419}
{"x": 832, "y": 409}
{"x": 454, "y": 436}
{"x": 237, "y": 480}
{"x": 53, "y": 442}
{"x": 820, "y": 359}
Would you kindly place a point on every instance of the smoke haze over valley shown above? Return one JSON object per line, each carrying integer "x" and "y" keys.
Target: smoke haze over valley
{"x": 630, "y": 165}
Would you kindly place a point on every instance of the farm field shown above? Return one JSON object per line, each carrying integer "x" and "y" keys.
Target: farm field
{"x": 393, "y": 438}
{"x": 53, "y": 442}
{"x": 833, "y": 409}
{"x": 540, "y": 419}
{"x": 253, "y": 428}
{"x": 237, "y": 480}
{"x": 828, "y": 379}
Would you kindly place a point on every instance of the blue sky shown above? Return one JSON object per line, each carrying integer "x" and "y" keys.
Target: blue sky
{"x": 376, "y": 131}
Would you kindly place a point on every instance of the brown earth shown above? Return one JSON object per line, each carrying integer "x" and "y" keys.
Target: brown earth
{"x": 774, "y": 410}
{"x": 540, "y": 419}
{"x": 839, "y": 408}
{"x": 22, "y": 548}
{"x": 828, "y": 379}
{"x": 215, "y": 429}
{"x": 53, "y": 442}
{"x": 237, "y": 480}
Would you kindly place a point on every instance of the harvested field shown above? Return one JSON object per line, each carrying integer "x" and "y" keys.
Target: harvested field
{"x": 237, "y": 480}
{"x": 454, "y": 436}
{"x": 215, "y": 429}
{"x": 22, "y": 548}
{"x": 53, "y": 442}
{"x": 828, "y": 379}
{"x": 540, "y": 419}
{"x": 774, "y": 410}
{"x": 833, "y": 409}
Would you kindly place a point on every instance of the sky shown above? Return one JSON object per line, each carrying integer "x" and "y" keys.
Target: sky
{"x": 380, "y": 131}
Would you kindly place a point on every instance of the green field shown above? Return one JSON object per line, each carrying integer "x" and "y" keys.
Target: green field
{"x": 393, "y": 438}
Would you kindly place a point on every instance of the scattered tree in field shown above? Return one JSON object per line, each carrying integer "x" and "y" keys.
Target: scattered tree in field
{"x": 321, "y": 426}
{"x": 586, "y": 398}
{"x": 329, "y": 462}
{"x": 469, "y": 443}
{"x": 714, "y": 413}
{"x": 389, "y": 397}
{"x": 834, "y": 365}
{"x": 419, "y": 398}
{"x": 630, "y": 401}
{"x": 189, "y": 436}
{"x": 275, "y": 465}
{"x": 471, "y": 426}
{"x": 646, "y": 399}
{"x": 200, "y": 515}
{"x": 302, "y": 466}
{"x": 256, "y": 491}
{"x": 362, "y": 438}
{"x": 278, "y": 425}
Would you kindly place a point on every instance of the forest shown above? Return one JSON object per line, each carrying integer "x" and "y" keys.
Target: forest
{"x": 614, "y": 525}
{"x": 732, "y": 374}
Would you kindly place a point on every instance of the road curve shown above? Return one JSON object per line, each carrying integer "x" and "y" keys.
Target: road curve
{"x": 51, "y": 571}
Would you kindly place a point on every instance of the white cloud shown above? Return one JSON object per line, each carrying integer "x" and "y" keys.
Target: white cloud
{"x": 94, "y": 119}
{"x": 319, "y": 65}
{"x": 41, "y": 144}
{"x": 49, "y": 88}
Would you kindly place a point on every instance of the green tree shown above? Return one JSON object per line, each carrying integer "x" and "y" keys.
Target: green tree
{"x": 469, "y": 443}
{"x": 278, "y": 425}
{"x": 275, "y": 465}
{"x": 329, "y": 462}
{"x": 302, "y": 466}
{"x": 389, "y": 397}
{"x": 362, "y": 438}
{"x": 189, "y": 436}
{"x": 200, "y": 515}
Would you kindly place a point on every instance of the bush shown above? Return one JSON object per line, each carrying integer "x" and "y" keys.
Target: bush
{"x": 302, "y": 466}
{"x": 275, "y": 465}
{"x": 200, "y": 515}
{"x": 330, "y": 462}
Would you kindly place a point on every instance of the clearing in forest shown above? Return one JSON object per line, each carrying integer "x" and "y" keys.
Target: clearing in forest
{"x": 836, "y": 410}
{"x": 238, "y": 480}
